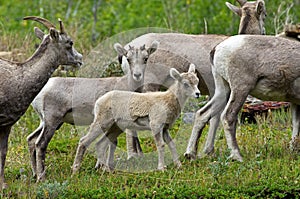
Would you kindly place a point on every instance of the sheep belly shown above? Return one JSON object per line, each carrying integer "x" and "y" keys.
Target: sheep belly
{"x": 140, "y": 124}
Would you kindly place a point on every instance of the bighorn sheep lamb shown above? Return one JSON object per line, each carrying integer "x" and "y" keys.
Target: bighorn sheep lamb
{"x": 266, "y": 67}
{"x": 179, "y": 50}
{"x": 71, "y": 100}
{"x": 21, "y": 82}
{"x": 155, "y": 111}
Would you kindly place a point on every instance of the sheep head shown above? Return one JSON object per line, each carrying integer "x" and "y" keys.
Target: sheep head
{"x": 253, "y": 14}
{"x": 136, "y": 59}
{"x": 188, "y": 82}
{"x": 58, "y": 40}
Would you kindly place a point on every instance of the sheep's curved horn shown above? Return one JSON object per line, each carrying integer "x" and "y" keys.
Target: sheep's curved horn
{"x": 241, "y": 2}
{"x": 43, "y": 21}
{"x": 62, "y": 27}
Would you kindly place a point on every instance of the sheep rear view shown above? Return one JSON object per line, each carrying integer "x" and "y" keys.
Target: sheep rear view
{"x": 155, "y": 111}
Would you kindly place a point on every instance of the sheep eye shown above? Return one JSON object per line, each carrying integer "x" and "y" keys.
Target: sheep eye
{"x": 145, "y": 59}
{"x": 186, "y": 85}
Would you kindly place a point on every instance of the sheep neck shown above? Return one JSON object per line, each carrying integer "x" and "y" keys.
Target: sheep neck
{"x": 25, "y": 82}
{"x": 179, "y": 93}
{"x": 134, "y": 85}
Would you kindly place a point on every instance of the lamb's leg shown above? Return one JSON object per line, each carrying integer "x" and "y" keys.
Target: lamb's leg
{"x": 229, "y": 120}
{"x": 133, "y": 144}
{"x": 172, "y": 147}
{"x": 101, "y": 150}
{"x": 31, "y": 145}
{"x": 295, "y": 142}
{"x": 95, "y": 130}
{"x": 107, "y": 141}
{"x": 41, "y": 145}
{"x": 157, "y": 134}
{"x": 4, "y": 134}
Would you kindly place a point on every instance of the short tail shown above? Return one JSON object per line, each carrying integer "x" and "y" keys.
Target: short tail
{"x": 212, "y": 54}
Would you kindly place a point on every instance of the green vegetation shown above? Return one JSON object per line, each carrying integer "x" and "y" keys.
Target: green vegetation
{"x": 269, "y": 169}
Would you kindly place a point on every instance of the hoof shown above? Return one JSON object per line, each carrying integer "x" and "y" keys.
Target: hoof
{"x": 135, "y": 155}
{"x": 178, "y": 164}
{"x": 190, "y": 155}
{"x": 295, "y": 144}
{"x": 236, "y": 157}
{"x": 162, "y": 168}
{"x": 208, "y": 151}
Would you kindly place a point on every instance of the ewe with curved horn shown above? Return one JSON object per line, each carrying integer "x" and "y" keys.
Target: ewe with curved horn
{"x": 21, "y": 82}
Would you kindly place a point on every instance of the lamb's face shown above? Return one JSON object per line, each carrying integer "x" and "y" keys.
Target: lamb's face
{"x": 189, "y": 84}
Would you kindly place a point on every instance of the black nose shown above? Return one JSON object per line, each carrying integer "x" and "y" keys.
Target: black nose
{"x": 197, "y": 95}
{"x": 137, "y": 76}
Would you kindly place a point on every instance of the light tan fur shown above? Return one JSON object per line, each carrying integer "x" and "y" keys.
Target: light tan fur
{"x": 155, "y": 111}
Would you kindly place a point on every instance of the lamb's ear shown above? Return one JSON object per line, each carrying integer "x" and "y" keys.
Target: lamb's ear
{"x": 153, "y": 47}
{"x": 120, "y": 49}
{"x": 125, "y": 65}
{"x": 234, "y": 9}
{"x": 39, "y": 33}
{"x": 192, "y": 68}
{"x": 175, "y": 74}
{"x": 54, "y": 34}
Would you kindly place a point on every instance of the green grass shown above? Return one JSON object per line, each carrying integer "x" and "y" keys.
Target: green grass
{"x": 269, "y": 169}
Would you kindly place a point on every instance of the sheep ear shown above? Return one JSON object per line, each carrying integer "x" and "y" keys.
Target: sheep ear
{"x": 153, "y": 47}
{"x": 54, "y": 34}
{"x": 192, "y": 68}
{"x": 234, "y": 9}
{"x": 125, "y": 65}
{"x": 120, "y": 49}
{"x": 175, "y": 74}
{"x": 39, "y": 33}
{"x": 260, "y": 7}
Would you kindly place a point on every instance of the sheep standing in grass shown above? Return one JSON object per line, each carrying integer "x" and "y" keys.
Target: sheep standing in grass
{"x": 20, "y": 82}
{"x": 155, "y": 111}
{"x": 71, "y": 100}
{"x": 179, "y": 50}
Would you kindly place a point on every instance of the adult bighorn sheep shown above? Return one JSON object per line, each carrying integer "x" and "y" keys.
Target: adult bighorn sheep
{"x": 21, "y": 82}
{"x": 179, "y": 50}
{"x": 71, "y": 100}
{"x": 155, "y": 111}
{"x": 266, "y": 67}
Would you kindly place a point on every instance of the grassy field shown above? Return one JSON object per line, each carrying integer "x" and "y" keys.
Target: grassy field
{"x": 269, "y": 170}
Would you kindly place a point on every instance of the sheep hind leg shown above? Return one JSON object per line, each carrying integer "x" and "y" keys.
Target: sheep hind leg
{"x": 133, "y": 145}
{"x": 108, "y": 141}
{"x": 167, "y": 138}
{"x": 210, "y": 110}
{"x": 95, "y": 130}
{"x": 230, "y": 118}
{"x": 295, "y": 141}
{"x": 31, "y": 139}
{"x": 101, "y": 150}
{"x": 41, "y": 145}
{"x": 211, "y": 135}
